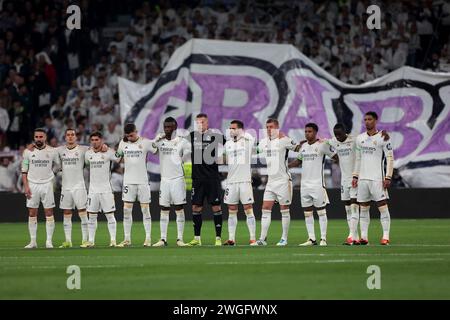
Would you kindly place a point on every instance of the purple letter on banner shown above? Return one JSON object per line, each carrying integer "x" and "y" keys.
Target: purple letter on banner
{"x": 438, "y": 142}
{"x": 213, "y": 91}
{"x": 310, "y": 92}
{"x": 412, "y": 108}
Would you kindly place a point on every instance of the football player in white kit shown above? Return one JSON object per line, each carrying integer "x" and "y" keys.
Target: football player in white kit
{"x": 238, "y": 154}
{"x": 133, "y": 149}
{"x": 73, "y": 190}
{"x": 345, "y": 146}
{"x": 38, "y": 177}
{"x": 172, "y": 149}
{"x": 275, "y": 148}
{"x": 100, "y": 197}
{"x": 373, "y": 152}
{"x": 313, "y": 193}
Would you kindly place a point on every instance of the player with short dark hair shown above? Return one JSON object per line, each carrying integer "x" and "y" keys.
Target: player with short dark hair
{"x": 172, "y": 149}
{"x": 37, "y": 176}
{"x": 133, "y": 149}
{"x": 205, "y": 177}
{"x": 100, "y": 196}
{"x": 238, "y": 156}
{"x": 373, "y": 153}
{"x": 313, "y": 193}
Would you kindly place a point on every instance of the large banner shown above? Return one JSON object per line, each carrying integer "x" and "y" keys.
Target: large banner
{"x": 254, "y": 81}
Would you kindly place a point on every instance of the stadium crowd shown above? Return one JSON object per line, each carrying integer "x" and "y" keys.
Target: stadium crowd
{"x": 56, "y": 78}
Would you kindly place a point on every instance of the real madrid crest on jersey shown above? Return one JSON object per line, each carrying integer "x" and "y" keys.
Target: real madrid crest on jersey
{"x": 47, "y": 156}
{"x": 140, "y": 146}
{"x": 76, "y": 154}
{"x": 375, "y": 143}
{"x": 103, "y": 158}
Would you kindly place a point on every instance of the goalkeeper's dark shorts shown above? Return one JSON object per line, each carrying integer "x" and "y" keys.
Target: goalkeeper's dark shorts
{"x": 206, "y": 189}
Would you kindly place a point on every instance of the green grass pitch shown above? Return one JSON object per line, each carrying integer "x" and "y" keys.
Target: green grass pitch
{"x": 415, "y": 266}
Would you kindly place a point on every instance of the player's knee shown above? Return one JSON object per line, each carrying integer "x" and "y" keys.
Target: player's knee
{"x": 179, "y": 208}
{"x": 322, "y": 212}
{"x": 247, "y": 207}
{"x": 233, "y": 207}
{"x": 308, "y": 213}
{"x": 284, "y": 207}
{"x": 165, "y": 208}
{"x": 381, "y": 203}
{"x": 128, "y": 205}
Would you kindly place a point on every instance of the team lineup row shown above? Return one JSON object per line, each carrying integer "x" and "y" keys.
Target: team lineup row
{"x": 366, "y": 164}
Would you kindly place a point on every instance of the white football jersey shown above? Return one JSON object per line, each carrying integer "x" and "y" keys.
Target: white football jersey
{"x": 135, "y": 158}
{"x": 372, "y": 152}
{"x": 171, "y": 153}
{"x": 72, "y": 164}
{"x": 239, "y": 159}
{"x": 346, "y": 153}
{"x": 275, "y": 151}
{"x": 313, "y": 160}
{"x": 100, "y": 170}
{"x": 39, "y": 164}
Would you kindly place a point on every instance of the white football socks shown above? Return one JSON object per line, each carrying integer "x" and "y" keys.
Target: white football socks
{"x": 364, "y": 221}
{"x": 67, "y": 224}
{"x": 251, "y": 223}
{"x": 323, "y": 222}
{"x": 285, "y": 222}
{"x": 92, "y": 227}
{"x": 112, "y": 225}
{"x": 147, "y": 220}
{"x": 50, "y": 227}
{"x": 164, "y": 223}
{"x": 309, "y": 221}
{"x": 385, "y": 219}
{"x": 180, "y": 223}
{"x": 127, "y": 221}
{"x": 84, "y": 225}
{"x": 232, "y": 224}
{"x": 32, "y": 228}
{"x": 266, "y": 219}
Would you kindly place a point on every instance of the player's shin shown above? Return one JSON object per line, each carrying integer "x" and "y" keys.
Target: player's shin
{"x": 32, "y": 228}
{"x": 180, "y": 223}
{"x": 147, "y": 220}
{"x": 197, "y": 221}
{"x": 385, "y": 219}
{"x": 218, "y": 221}
{"x": 164, "y": 223}
{"x": 127, "y": 220}
{"x": 84, "y": 225}
{"x": 67, "y": 224}
{"x": 50, "y": 227}
{"x": 309, "y": 221}
{"x": 364, "y": 220}
{"x": 266, "y": 219}
{"x": 112, "y": 225}
{"x": 348, "y": 211}
{"x": 285, "y": 222}
{"x": 323, "y": 222}
{"x": 355, "y": 221}
{"x": 232, "y": 224}
{"x": 251, "y": 223}
{"x": 92, "y": 227}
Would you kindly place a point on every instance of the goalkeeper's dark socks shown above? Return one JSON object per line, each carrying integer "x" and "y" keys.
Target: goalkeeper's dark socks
{"x": 197, "y": 219}
{"x": 218, "y": 220}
